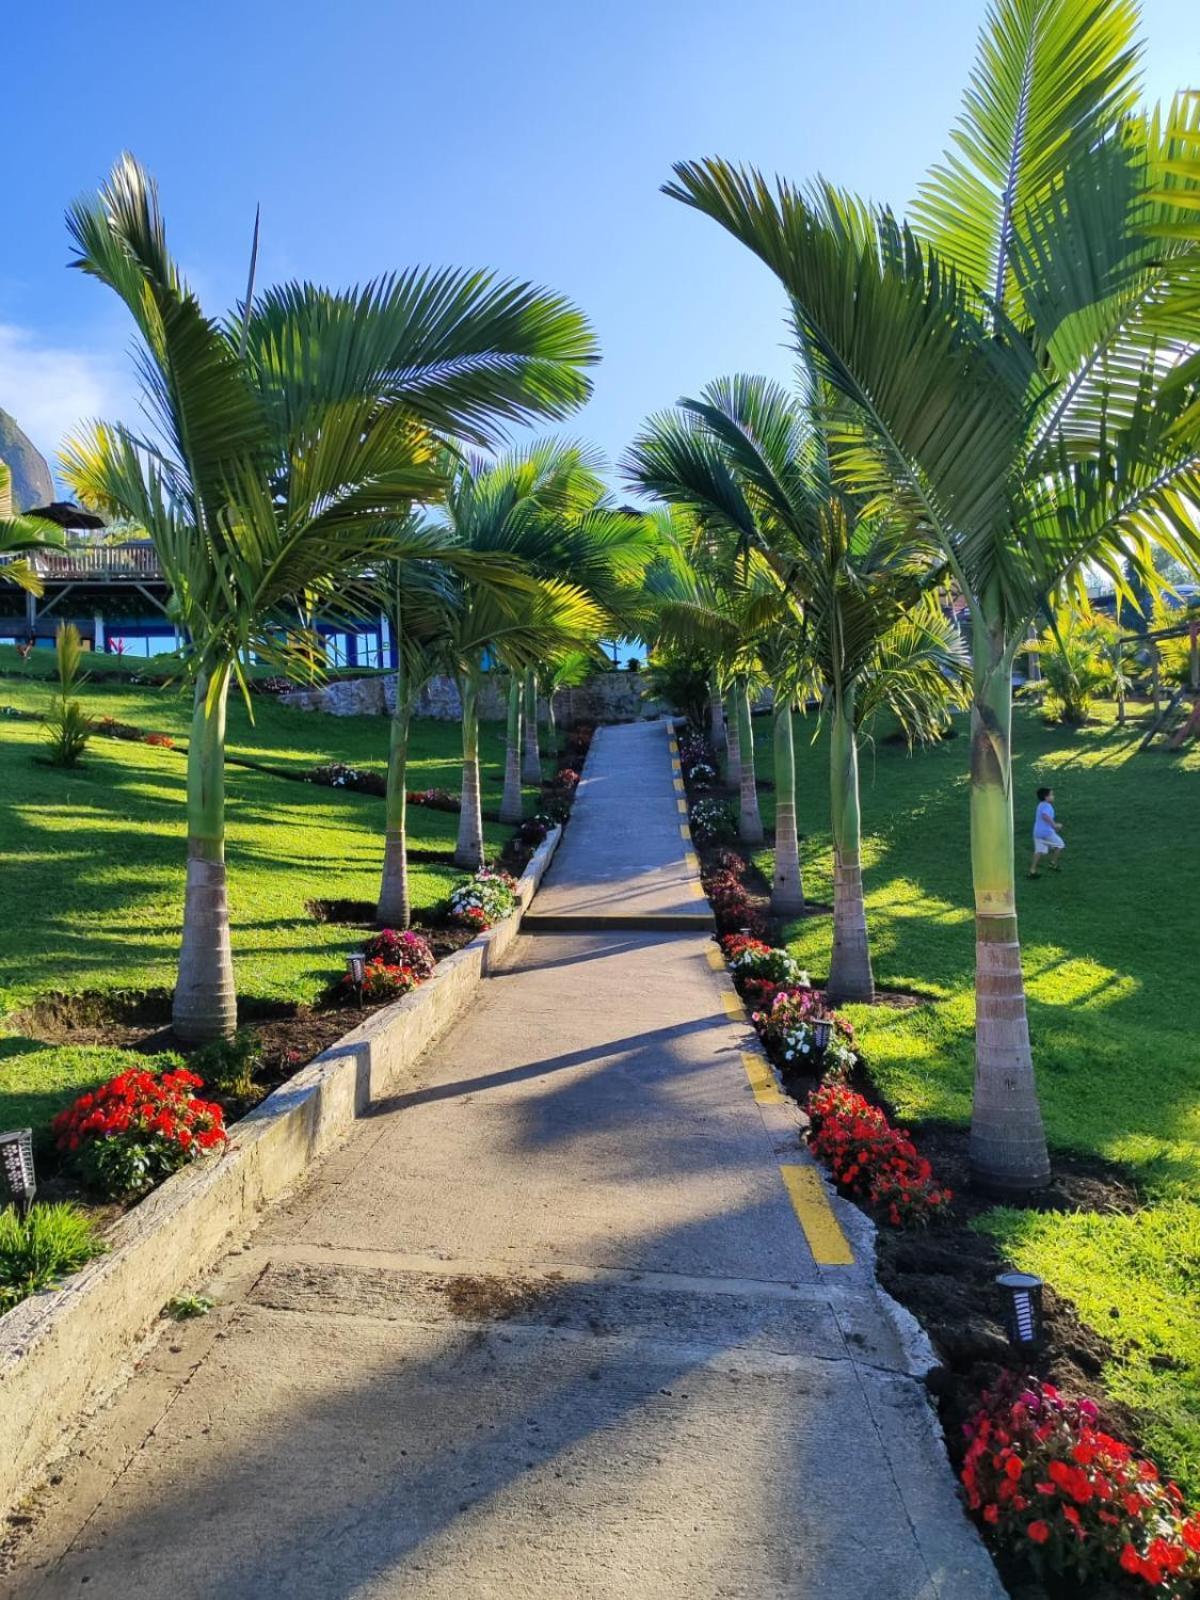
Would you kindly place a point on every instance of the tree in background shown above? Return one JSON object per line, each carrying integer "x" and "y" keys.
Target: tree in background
{"x": 853, "y": 616}
{"x": 1019, "y": 370}
{"x": 290, "y": 443}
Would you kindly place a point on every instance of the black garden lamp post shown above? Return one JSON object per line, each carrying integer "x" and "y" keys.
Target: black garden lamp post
{"x": 1023, "y": 1313}
{"x": 16, "y": 1167}
{"x": 356, "y": 967}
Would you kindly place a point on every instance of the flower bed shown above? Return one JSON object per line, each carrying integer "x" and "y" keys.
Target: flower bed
{"x": 753, "y": 958}
{"x": 787, "y": 1026}
{"x": 713, "y": 822}
{"x": 137, "y": 1129}
{"x": 337, "y": 775}
{"x": 1059, "y": 1494}
{"x": 435, "y": 799}
{"x": 479, "y": 901}
{"x": 870, "y": 1160}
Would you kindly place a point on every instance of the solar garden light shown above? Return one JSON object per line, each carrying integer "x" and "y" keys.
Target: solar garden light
{"x": 822, "y": 1028}
{"x": 16, "y": 1167}
{"x": 356, "y": 966}
{"x": 1023, "y": 1314}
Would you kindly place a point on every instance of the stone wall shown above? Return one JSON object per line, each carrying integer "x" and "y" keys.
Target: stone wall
{"x": 605, "y": 697}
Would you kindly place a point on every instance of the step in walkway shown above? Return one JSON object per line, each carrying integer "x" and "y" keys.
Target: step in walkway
{"x": 548, "y": 1325}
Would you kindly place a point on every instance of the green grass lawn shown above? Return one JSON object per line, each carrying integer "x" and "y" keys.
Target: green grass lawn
{"x": 1111, "y": 950}
{"x": 94, "y": 859}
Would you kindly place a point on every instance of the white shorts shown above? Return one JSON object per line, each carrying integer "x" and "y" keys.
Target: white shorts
{"x": 1043, "y": 847}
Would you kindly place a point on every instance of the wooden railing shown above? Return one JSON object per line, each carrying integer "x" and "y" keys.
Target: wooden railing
{"x": 101, "y": 563}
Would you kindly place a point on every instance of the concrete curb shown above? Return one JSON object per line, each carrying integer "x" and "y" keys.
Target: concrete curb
{"x": 64, "y": 1351}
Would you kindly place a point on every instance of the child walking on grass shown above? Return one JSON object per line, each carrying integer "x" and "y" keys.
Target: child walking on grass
{"x": 1047, "y": 841}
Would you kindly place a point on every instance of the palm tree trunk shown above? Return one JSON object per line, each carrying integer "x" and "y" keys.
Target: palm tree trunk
{"x": 205, "y": 1003}
{"x": 733, "y": 752}
{"x": 850, "y": 975}
{"x": 1008, "y": 1142}
{"x": 750, "y": 828}
{"x": 787, "y": 885}
{"x": 510, "y": 804}
{"x": 469, "y": 850}
{"x": 394, "y": 909}
{"x": 716, "y": 714}
{"x": 551, "y": 725}
{"x": 531, "y": 766}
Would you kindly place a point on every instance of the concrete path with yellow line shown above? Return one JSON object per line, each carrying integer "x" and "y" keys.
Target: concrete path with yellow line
{"x": 571, "y": 1315}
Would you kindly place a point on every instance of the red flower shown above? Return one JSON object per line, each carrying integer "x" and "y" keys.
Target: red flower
{"x": 1039, "y": 1532}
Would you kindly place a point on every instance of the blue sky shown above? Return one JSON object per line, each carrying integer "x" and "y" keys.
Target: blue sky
{"x": 530, "y": 137}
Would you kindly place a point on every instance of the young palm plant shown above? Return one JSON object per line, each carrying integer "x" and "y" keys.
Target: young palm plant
{"x": 288, "y": 447}
{"x": 1019, "y": 365}
{"x": 750, "y": 462}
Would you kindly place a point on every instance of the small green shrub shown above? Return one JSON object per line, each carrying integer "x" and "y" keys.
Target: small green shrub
{"x": 229, "y": 1065}
{"x": 39, "y": 1249}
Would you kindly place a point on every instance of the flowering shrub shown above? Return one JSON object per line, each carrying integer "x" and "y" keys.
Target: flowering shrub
{"x": 274, "y": 685}
{"x": 137, "y": 1129}
{"x": 730, "y": 902}
{"x": 869, "y": 1159}
{"x": 701, "y": 776}
{"x": 164, "y": 741}
{"x": 751, "y": 958}
{"x": 1049, "y": 1485}
{"x": 407, "y": 949}
{"x": 787, "y": 1028}
{"x": 479, "y": 901}
{"x": 726, "y": 860}
{"x": 535, "y": 829}
{"x": 713, "y": 822}
{"x": 435, "y": 799}
{"x": 114, "y": 729}
{"x": 381, "y": 981}
{"x": 336, "y": 775}
{"x": 567, "y": 778}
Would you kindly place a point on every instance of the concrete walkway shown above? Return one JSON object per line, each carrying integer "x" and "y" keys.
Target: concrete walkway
{"x": 547, "y": 1325}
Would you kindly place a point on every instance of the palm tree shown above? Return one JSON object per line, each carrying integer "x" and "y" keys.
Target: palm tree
{"x": 290, "y": 443}
{"x": 705, "y": 596}
{"x": 751, "y": 462}
{"x": 529, "y": 507}
{"x": 1017, "y": 365}
{"x": 20, "y": 537}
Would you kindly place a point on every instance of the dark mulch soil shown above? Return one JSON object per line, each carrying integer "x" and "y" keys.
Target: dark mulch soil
{"x": 946, "y": 1277}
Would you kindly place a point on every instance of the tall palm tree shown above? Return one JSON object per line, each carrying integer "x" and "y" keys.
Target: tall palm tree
{"x": 750, "y": 462}
{"x": 289, "y": 445}
{"x": 1018, "y": 364}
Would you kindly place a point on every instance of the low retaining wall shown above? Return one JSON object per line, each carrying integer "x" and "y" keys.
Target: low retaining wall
{"x": 63, "y": 1351}
{"x": 604, "y": 697}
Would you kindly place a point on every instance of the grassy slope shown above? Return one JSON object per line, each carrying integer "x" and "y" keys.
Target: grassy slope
{"x": 1110, "y": 950}
{"x": 95, "y": 857}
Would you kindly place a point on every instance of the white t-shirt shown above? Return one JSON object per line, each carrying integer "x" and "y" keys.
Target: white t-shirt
{"x": 1043, "y": 823}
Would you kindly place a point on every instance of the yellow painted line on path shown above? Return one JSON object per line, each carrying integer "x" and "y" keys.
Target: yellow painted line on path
{"x": 734, "y": 1009}
{"x": 766, "y": 1091}
{"x": 715, "y": 959}
{"x": 691, "y": 861}
{"x": 675, "y": 767}
{"x": 697, "y": 889}
{"x": 678, "y": 785}
{"x": 822, "y": 1229}
{"x": 682, "y": 804}
{"x": 684, "y": 831}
